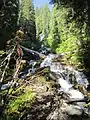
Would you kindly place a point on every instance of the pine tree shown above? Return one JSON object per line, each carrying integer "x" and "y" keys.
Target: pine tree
{"x": 37, "y": 19}
{"x": 46, "y": 19}
{"x": 8, "y": 20}
{"x": 54, "y": 36}
{"x": 75, "y": 31}
{"x": 42, "y": 21}
{"x": 27, "y": 21}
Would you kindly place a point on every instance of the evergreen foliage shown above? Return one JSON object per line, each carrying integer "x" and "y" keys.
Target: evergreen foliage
{"x": 67, "y": 31}
{"x": 27, "y": 21}
{"x": 42, "y": 22}
{"x": 77, "y": 28}
{"x": 8, "y": 19}
{"x": 54, "y": 37}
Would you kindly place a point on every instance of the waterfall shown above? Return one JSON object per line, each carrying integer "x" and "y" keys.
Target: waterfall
{"x": 66, "y": 76}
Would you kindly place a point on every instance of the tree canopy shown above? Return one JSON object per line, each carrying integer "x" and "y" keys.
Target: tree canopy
{"x": 27, "y": 21}
{"x": 8, "y": 19}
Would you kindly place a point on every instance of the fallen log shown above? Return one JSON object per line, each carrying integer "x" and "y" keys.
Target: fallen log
{"x": 33, "y": 52}
{"x": 8, "y": 59}
{"x": 77, "y": 100}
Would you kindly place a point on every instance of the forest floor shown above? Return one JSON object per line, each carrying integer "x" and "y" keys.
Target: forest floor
{"x": 48, "y": 104}
{"x": 47, "y": 101}
{"x": 44, "y": 106}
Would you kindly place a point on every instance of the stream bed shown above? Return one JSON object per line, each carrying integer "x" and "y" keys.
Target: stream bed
{"x": 67, "y": 101}
{"x": 72, "y": 84}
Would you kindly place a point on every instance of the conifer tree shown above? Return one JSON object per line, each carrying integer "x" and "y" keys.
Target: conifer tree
{"x": 8, "y": 20}
{"x": 77, "y": 22}
{"x": 42, "y": 21}
{"x": 27, "y": 21}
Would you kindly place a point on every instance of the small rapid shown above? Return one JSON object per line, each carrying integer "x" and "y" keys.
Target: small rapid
{"x": 72, "y": 84}
{"x": 68, "y": 78}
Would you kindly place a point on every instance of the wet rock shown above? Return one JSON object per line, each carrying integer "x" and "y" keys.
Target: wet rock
{"x": 74, "y": 110}
{"x": 5, "y": 86}
{"x": 75, "y": 94}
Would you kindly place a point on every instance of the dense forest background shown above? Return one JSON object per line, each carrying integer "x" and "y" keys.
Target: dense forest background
{"x": 66, "y": 29}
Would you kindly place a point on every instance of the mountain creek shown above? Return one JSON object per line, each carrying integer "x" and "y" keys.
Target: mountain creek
{"x": 44, "y": 60}
{"x": 47, "y": 89}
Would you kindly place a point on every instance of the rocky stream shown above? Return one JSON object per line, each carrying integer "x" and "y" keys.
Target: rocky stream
{"x": 61, "y": 91}
{"x": 70, "y": 96}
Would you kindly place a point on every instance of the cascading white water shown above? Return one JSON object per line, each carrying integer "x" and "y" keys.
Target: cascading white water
{"x": 66, "y": 76}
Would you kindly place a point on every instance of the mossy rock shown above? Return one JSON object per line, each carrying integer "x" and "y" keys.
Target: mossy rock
{"x": 18, "y": 104}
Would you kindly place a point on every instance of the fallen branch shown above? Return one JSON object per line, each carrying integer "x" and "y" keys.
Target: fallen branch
{"x": 17, "y": 68}
{"x": 2, "y": 63}
{"x": 77, "y": 100}
{"x": 7, "y": 58}
{"x": 33, "y": 52}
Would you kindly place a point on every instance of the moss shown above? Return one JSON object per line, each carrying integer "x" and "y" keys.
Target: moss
{"x": 2, "y": 52}
{"x": 18, "y": 90}
{"x": 14, "y": 117}
{"x": 10, "y": 91}
{"x": 23, "y": 65}
{"x": 20, "y": 101}
{"x": 43, "y": 80}
{"x": 87, "y": 105}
